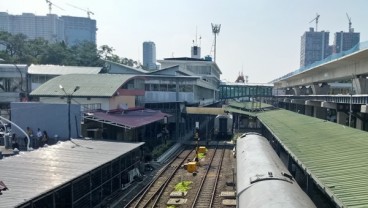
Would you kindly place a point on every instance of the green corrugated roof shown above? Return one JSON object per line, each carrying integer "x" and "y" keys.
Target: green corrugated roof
{"x": 335, "y": 155}
{"x": 249, "y": 105}
{"x": 234, "y": 110}
{"x": 204, "y": 110}
{"x": 90, "y": 85}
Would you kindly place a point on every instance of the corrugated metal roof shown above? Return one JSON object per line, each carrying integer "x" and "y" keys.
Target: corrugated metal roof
{"x": 334, "y": 154}
{"x": 204, "y": 110}
{"x": 60, "y": 70}
{"x": 31, "y": 174}
{"x": 128, "y": 119}
{"x": 90, "y": 85}
{"x": 234, "y": 110}
{"x": 249, "y": 105}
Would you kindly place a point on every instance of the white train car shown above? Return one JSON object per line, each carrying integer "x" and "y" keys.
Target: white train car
{"x": 262, "y": 178}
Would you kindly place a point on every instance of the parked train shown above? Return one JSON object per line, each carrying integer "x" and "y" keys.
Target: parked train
{"x": 262, "y": 178}
{"x": 223, "y": 127}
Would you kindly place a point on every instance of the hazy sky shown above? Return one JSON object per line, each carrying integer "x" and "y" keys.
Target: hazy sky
{"x": 259, "y": 37}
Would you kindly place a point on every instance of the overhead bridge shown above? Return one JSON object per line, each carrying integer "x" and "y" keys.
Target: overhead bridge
{"x": 231, "y": 90}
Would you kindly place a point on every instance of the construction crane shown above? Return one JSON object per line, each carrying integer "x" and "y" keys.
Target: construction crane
{"x": 52, "y": 4}
{"x": 86, "y": 10}
{"x": 349, "y": 22}
{"x": 316, "y": 19}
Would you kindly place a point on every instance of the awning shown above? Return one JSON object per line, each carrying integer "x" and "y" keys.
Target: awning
{"x": 127, "y": 119}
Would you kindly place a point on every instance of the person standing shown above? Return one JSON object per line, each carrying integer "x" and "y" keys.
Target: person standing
{"x": 45, "y": 139}
{"x": 14, "y": 142}
{"x": 39, "y": 137}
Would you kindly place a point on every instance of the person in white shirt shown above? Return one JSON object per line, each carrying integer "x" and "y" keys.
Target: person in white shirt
{"x": 39, "y": 136}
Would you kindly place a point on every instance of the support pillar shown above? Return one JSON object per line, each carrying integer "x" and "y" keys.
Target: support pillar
{"x": 296, "y": 90}
{"x": 320, "y": 89}
{"x": 309, "y": 185}
{"x": 341, "y": 117}
{"x": 360, "y": 85}
{"x": 320, "y": 113}
{"x": 359, "y": 122}
{"x": 308, "y": 110}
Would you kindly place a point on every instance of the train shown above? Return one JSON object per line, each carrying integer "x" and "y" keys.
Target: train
{"x": 262, "y": 178}
{"x": 223, "y": 125}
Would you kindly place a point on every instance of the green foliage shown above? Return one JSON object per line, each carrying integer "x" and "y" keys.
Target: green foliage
{"x": 160, "y": 149}
{"x": 19, "y": 49}
{"x": 183, "y": 186}
{"x": 201, "y": 155}
{"x": 170, "y": 206}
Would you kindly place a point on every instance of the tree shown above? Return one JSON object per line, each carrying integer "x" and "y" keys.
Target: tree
{"x": 19, "y": 49}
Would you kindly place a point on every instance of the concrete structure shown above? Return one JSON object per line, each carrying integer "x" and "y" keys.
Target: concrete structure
{"x": 352, "y": 65}
{"x": 149, "y": 56}
{"x": 52, "y": 118}
{"x": 50, "y": 27}
{"x": 314, "y": 47}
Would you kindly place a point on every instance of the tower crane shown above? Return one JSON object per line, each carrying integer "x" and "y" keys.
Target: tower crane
{"x": 349, "y": 21}
{"x": 52, "y": 4}
{"x": 89, "y": 12}
{"x": 316, "y": 19}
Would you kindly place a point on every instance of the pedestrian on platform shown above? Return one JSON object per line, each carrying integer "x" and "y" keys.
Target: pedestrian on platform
{"x": 14, "y": 141}
{"x": 45, "y": 139}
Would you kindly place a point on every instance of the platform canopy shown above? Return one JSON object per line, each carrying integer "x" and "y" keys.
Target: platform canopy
{"x": 204, "y": 111}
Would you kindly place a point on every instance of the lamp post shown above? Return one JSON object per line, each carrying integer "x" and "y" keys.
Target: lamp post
{"x": 69, "y": 99}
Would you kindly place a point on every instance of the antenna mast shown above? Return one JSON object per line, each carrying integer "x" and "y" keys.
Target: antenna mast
{"x": 317, "y": 16}
{"x": 215, "y": 30}
{"x": 350, "y": 30}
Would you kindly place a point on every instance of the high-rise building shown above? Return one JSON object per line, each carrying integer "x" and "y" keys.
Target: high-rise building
{"x": 314, "y": 47}
{"x": 345, "y": 40}
{"x": 50, "y": 27}
{"x": 149, "y": 55}
{"x": 78, "y": 29}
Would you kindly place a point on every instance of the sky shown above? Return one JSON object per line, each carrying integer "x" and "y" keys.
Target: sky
{"x": 260, "y": 38}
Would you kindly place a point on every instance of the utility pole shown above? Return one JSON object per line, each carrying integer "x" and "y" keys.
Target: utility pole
{"x": 69, "y": 100}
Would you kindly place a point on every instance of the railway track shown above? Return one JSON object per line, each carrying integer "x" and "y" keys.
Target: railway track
{"x": 150, "y": 195}
{"x": 205, "y": 195}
